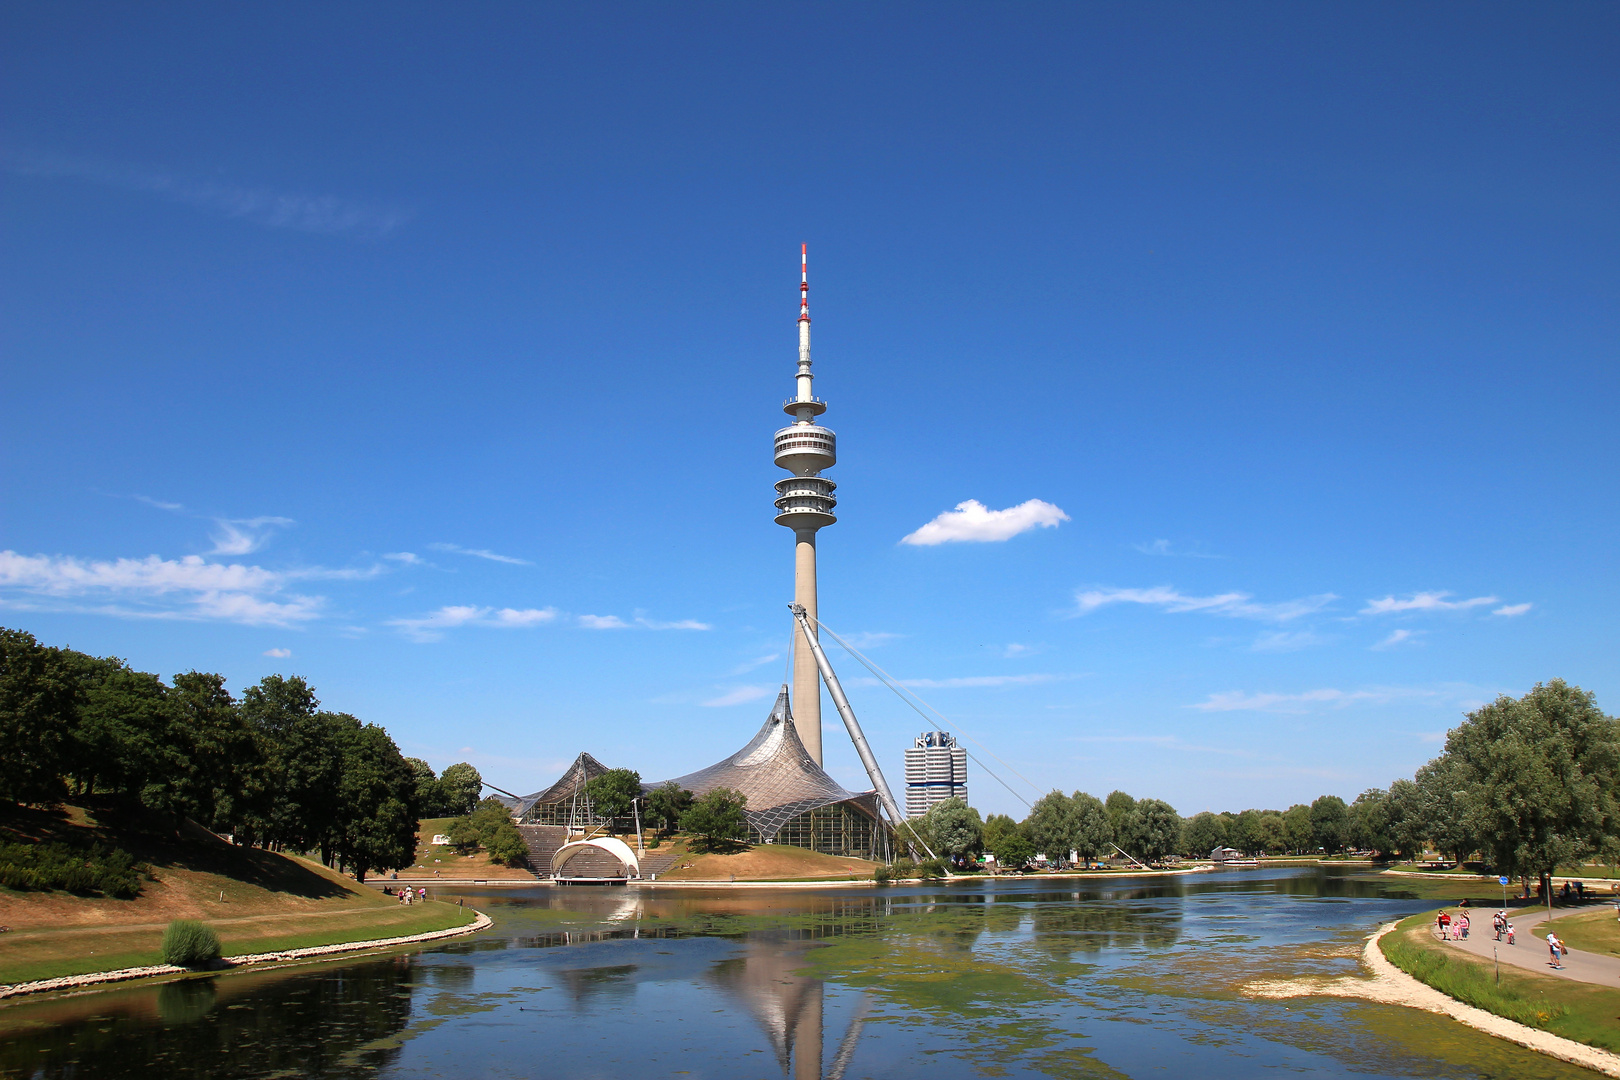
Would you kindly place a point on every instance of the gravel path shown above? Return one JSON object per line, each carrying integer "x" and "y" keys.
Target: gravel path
{"x": 1531, "y": 951}
{"x": 1392, "y": 986}
{"x": 74, "y": 982}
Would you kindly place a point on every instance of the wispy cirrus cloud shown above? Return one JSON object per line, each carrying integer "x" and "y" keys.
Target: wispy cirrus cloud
{"x": 1398, "y": 638}
{"x": 758, "y": 662}
{"x": 244, "y": 536}
{"x": 675, "y": 624}
{"x": 1511, "y": 610}
{"x": 431, "y": 627}
{"x": 1279, "y": 641}
{"x": 973, "y": 522}
{"x": 603, "y": 622}
{"x": 405, "y": 558}
{"x": 1165, "y": 547}
{"x": 158, "y": 503}
{"x": 278, "y": 654}
{"x": 1306, "y": 701}
{"x": 1424, "y": 602}
{"x": 272, "y": 209}
{"x": 188, "y": 588}
{"x": 480, "y": 553}
{"x": 1238, "y": 605}
{"x": 613, "y": 622}
{"x": 739, "y": 695}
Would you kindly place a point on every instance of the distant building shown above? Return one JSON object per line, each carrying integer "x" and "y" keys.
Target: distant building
{"x": 936, "y": 770}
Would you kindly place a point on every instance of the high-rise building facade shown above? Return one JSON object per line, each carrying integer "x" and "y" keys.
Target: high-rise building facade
{"x": 804, "y": 503}
{"x": 936, "y": 770}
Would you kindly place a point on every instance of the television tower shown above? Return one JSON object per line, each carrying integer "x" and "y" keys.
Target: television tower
{"x": 804, "y": 503}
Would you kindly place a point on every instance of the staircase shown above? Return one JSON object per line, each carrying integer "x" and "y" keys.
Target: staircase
{"x": 656, "y": 862}
{"x": 542, "y": 842}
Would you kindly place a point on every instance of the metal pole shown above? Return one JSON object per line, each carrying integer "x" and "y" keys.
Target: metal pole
{"x": 885, "y": 796}
{"x": 635, "y": 805}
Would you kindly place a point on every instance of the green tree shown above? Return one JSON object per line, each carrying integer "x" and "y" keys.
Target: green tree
{"x": 1154, "y": 828}
{"x": 611, "y": 793}
{"x": 426, "y": 783}
{"x": 38, "y": 709}
{"x": 1012, "y": 851}
{"x": 1297, "y": 833}
{"x": 1445, "y": 803}
{"x": 953, "y": 829}
{"x": 1243, "y": 832}
{"x": 997, "y": 827}
{"x": 1541, "y": 775}
{"x": 1367, "y": 824}
{"x": 123, "y": 732}
{"x": 1329, "y": 816}
{"x": 1119, "y": 807}
{"x": 1094, "y": 831}
{"x": 296, "y": 803}
{"x": 666, "y": 803}
{"x": 375, "y": 828}
{"x": 715, "y": 822}
{"x": 1271, "y": 833}
{"x": 1203, "y": 833}
{"x": 220, "y": 760}
{"x": 459, "y": 788}
{"x": 1052, "y": 826}
{"x": 1403, "y": 811}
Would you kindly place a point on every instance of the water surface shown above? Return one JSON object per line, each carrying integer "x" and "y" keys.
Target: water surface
{"x": 1121, "y": 977}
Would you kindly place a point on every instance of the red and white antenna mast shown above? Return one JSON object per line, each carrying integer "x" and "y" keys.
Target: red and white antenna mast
{"x": 804, "y": 282}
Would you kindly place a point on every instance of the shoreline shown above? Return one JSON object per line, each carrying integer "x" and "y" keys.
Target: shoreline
{"x": 708, "y": 883}
{"x": 228, "y": 964}
{"x": 1390, "y": 985}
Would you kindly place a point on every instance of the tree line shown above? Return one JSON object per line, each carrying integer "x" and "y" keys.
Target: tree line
{"x": 271, "y": 768}
{"x": 1527, "y": 784}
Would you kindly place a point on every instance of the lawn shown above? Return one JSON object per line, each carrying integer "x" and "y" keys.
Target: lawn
{"x": 769, "y": 862}
{"x": 1581, "y": 1011}
{"x": 42, "y": 953}
{"x": 443, "y": 859}
{"x": 1592, "y": 931}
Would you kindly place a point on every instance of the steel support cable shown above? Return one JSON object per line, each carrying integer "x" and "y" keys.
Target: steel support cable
{"x": 894, "y": 685}
{"x": 880, "y": 675}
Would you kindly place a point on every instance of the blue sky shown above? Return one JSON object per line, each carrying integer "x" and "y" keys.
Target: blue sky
{"x": 434, "y": 354}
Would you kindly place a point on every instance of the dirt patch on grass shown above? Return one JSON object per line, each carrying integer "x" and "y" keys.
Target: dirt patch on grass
{"x": 768, "y": 862}
{"x": 192, "y": 874}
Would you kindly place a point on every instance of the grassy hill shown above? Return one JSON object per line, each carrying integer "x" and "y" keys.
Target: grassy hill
{"x": 258, "y": 901}
{"x": 443, "y": 858}
{"x": 768, "y": 862}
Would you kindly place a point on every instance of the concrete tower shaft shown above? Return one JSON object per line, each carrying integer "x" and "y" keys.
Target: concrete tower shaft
{"x": 804, "y": 503}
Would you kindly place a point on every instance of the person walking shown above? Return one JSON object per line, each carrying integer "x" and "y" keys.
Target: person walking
{"x": 1555, "y": 947}
{"x": 1443, "y": 921}
{"x": 1463, "y": 924}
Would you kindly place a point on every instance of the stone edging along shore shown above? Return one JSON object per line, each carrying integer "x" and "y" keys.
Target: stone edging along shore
{"x": 1392, "y": 986}
{"x": 74, "y": 982}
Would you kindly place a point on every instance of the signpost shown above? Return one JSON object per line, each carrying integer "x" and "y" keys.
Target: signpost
{"x": 1503, "y": 881}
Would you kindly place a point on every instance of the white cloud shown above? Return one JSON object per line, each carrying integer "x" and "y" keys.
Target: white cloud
{"x": 740, "y": 695}
{"x": 405, "y": 558}
{"x": 1015, "y": 649}
{"x": 481, "y": 553}
{"x": 1511, "y": 610}
{"x": 602, "y": 622}
{"x": 431, "y": 627}
{"x": 279, "y": 654}
{"x": 868, "y": 639}
{"x": 202, "y": 590}
{"x": 271, "y": 209}
{"x": 160, "y": 504}
{"x": 1424, "y": 601}
{"x": 1235, "y": 604}
{"x": 1285, "y": 641}
{"x": 1238, "y": 701}
{"x": 973, "y": 521}
{"x": 1399, "y": 637}
{"x": 243, "y": 536}
{"x": 678, "y": 624}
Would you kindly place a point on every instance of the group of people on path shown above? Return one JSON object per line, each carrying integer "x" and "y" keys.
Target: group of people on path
{"x": 1452, "y": 929}
{"x": 408, "y": 895}
{"x": 1503, "y": 927}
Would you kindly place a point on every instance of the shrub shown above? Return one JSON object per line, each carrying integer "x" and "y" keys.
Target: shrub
{"x": 652, "y": 842}
{"x": 80, "y": 870}
{"x": 187, "y": 943}
{"x": 931, "y": 868}
{"x": 903, "y": 869}
{"x": 505, "y": 845}
{"x": 882, "y": 875}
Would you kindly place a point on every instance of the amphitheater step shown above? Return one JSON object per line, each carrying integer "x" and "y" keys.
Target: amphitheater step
{"x": 543, "y": 842}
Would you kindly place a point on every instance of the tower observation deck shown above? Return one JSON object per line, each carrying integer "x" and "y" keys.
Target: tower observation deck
{"x": 804, "y": 503}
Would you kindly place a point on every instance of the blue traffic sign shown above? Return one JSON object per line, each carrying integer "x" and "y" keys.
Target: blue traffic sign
{"x": 1501, "y": 881}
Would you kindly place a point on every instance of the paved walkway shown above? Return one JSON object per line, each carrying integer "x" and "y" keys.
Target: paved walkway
{"x": 1531, "y": 953}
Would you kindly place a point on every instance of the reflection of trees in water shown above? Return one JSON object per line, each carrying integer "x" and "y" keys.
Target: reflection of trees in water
{"x": 295, "y": 1025}
{"x": 610, "y": 983}
{"x": 1092, "y": 927}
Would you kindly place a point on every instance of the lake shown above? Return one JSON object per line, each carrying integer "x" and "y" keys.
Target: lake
{"x": 1115, "y": 977}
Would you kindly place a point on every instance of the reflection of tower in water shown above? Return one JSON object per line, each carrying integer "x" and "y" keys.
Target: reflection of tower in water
{"x": 790, "y": 1008}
